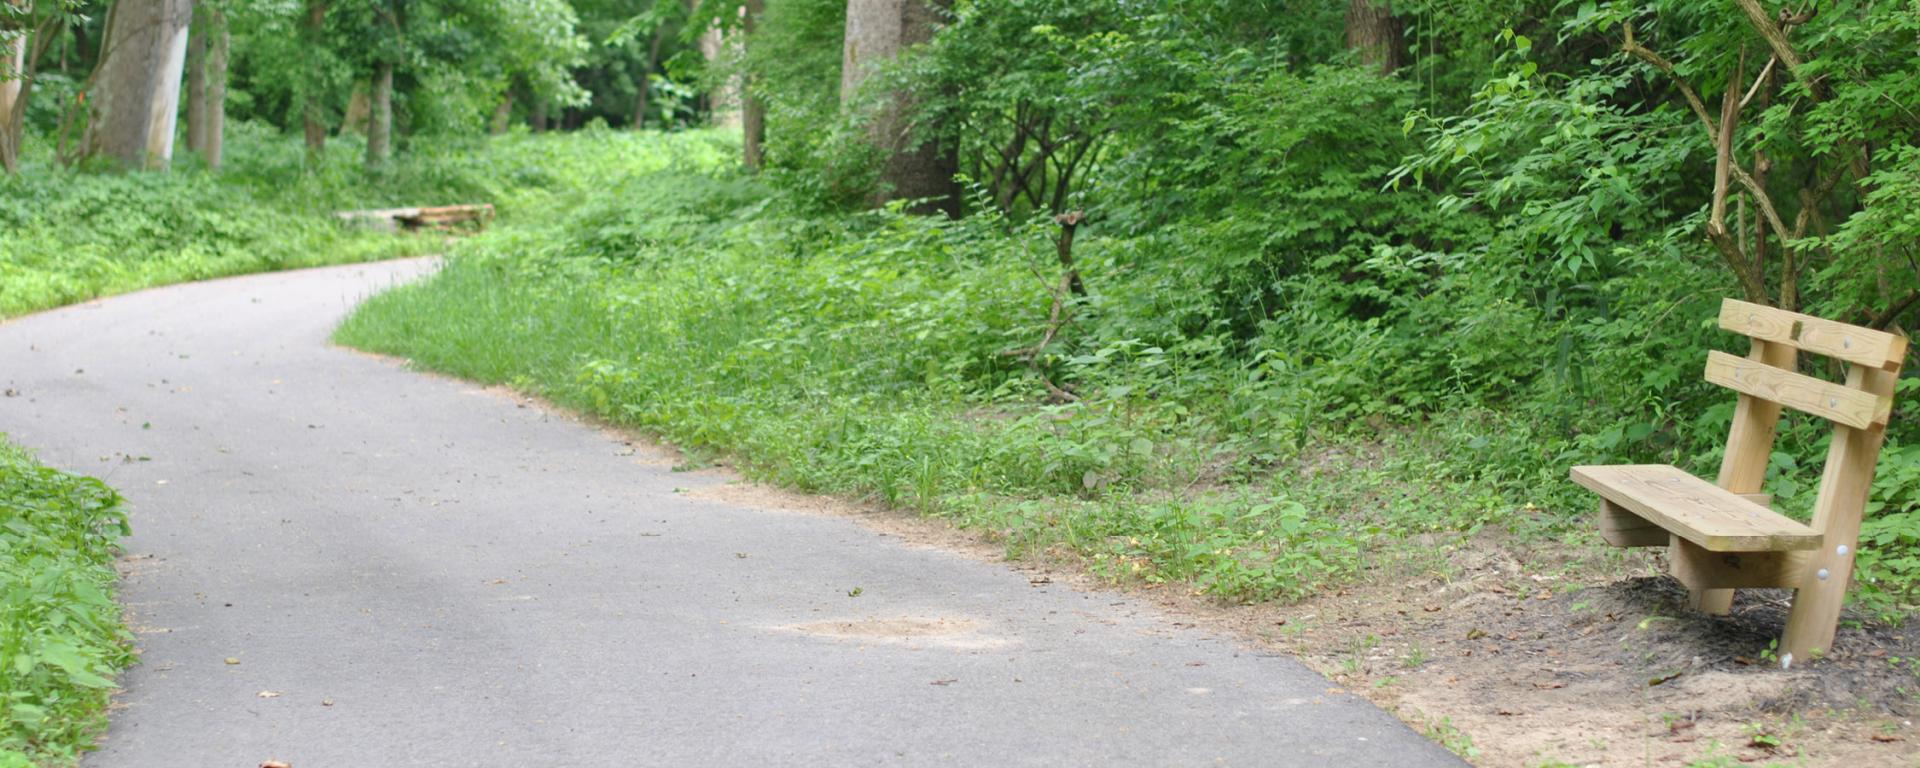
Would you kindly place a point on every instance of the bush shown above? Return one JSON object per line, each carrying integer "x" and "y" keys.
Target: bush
{"x": 61, "y": 635}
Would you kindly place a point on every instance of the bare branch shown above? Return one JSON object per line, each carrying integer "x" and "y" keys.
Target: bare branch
{"x": 1776, "y": 36}
{"x": 1633, "y": 48}
{"x": 1765, "y": 72}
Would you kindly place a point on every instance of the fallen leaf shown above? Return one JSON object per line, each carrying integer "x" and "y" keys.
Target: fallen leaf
{"x": 1885, "y": 738}
{"x": 1549, "y": 686}
{"x": 1476, "y": 633}
{"x": 1504, "y": 712}
{"x": 232, "y": 661}
{"x": 1662, "y": 680}
{"x": 1744, "y": 661}
{"x": 1680, "y": 725}
{"x": 268, "y": 694}
{"x": 1196, "y": 663}
{"x": 946, "y": 681}
{"x": 326, "y": 702}
{"x": 1430, "y": 608}
{"x": 275, "y": 764}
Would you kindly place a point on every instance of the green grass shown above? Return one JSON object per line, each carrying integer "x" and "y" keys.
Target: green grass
{"x": 62, "y": 638}
{"x": 859, "y": 355}
{"x": 68, "y": 236}
{"x": 864, "y": 354}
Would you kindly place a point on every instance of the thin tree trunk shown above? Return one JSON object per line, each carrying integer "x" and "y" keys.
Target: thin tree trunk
{"x": 753, "y": 112}
{"x": 916, "y": 166}
{"x": 539, "y": 116}
{"x": 197, "y": 82}
{"x": 723, "y": 102}
{"x": 380, "y": 122}
{"x": 1375, "y": 34}
{"x": 312, "y": 113}
{"x": 216, "y": 109}
{"x": 137, "y": 86}
{"x": 643, "y": 85}
{"x": 354, "y": 119}
{"x": 502, "y": 114}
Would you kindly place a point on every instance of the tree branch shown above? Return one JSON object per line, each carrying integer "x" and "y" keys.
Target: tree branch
{"x": 1776, "y": 36}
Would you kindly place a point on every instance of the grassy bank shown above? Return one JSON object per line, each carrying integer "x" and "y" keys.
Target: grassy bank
{"x": 69, "y": 236}
{"x": 870, "y": 354}
{"x": 61, "y": 633}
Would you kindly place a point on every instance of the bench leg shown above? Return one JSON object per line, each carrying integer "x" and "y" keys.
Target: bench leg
{"x": 1718, "y": 602}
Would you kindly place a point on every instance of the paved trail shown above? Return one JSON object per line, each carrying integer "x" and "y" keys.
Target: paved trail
{"x": 430, "y": 575}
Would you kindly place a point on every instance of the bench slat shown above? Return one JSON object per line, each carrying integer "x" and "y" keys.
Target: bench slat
{"x": 1695, "y": 509}
{"x": 1852, "y": 343}
{"x": 1833, "y": 402}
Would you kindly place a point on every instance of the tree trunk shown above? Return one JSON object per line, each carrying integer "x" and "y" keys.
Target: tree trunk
{"x": 753, "y": 112}
{"x": 216, "y": 108}
{"x": 1374, "y": 33}
{"x": 502, "y": 114}
{"x": 354, "y": 120}
{"x": 136, "y": 99}
{"x": 916, "y": 167}
{"x": 197, "y": 82}
{"x": 723, "y": 105}
{"x": 13, "y": 70}
{"x": 380, "y": 122}
{"x": 539, "y": 116}
{"x": 312, "y": 113}
{"x": 643, "y": 85}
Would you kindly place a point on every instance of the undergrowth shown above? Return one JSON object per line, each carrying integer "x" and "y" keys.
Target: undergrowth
{"x": 867, "y": 354}
{"x": 69, "y": 235}
{"x": 62, "y": 638}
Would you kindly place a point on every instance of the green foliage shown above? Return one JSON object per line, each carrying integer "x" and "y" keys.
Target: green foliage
{"x": 61, "y": 634}
{"x": 68, "y": 236}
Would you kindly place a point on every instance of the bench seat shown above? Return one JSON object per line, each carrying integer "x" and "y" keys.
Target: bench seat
{"x": 1693, "y": 509}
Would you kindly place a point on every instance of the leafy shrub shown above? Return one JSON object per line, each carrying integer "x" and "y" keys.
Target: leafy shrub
{"x": 61, "y": 635}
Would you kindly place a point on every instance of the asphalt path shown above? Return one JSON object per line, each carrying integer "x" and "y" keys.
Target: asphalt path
{"x": 339, "y": 562}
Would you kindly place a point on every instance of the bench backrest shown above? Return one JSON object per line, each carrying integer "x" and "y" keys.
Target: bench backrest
{"x": 1766, "y": 381}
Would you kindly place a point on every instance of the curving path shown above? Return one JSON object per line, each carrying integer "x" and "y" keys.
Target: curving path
{"x": 410, "y": 572}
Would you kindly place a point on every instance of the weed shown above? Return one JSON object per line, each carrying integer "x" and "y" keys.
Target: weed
{"x": 61, "y": 632}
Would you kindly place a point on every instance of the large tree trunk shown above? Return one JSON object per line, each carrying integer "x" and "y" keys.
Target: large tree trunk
{"x": 916, "y": 167}
{"x": 312, "y": 113}
{"x": 207, "y": 84}
{"x": 1375, "y": 34}
{"x": 13, "y": 70}
{"x": 380, "y": 122}
{"x": 214, "y": 150}
{"x": 753, "y": 112}
{"x": 136, "y": 97}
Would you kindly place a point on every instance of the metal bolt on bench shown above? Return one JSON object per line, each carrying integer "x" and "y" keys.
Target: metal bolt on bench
{"x": 1724, "y": 536}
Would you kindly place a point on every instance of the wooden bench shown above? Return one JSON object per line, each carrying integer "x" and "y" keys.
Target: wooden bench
{"x": 438, "y": 217}
{"x": 1724, "y": 536}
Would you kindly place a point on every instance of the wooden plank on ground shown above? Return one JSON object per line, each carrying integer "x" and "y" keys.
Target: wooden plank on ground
{"x": 1833, "y": 402}
{"x": 1852, "y": 343}
{"x": 1695, "y": 509}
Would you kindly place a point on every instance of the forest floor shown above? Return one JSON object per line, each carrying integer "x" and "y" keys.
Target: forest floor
{"x": 1468, "y": 641}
